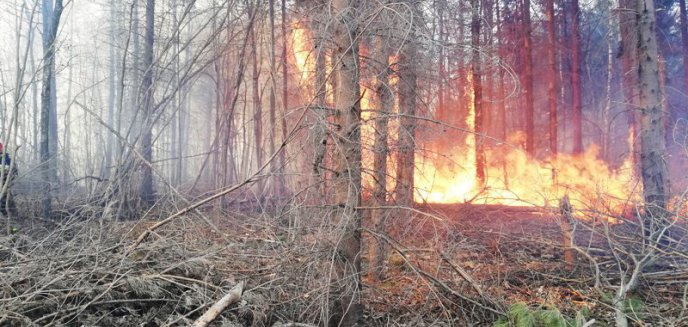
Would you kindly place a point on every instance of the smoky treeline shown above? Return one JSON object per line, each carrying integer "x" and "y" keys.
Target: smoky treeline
{"x": 133, "y": 101}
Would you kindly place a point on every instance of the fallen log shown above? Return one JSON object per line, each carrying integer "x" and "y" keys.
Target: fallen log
{"x": 233, "y": 296}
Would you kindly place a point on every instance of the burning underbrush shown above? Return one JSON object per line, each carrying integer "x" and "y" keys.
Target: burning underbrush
{"x": 448, "y": 265}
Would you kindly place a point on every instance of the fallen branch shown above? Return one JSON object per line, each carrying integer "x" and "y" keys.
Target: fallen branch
{"x": 233, "y": 296}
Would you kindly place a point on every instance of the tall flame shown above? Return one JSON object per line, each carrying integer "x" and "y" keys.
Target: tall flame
{"x": 447, "y": 173}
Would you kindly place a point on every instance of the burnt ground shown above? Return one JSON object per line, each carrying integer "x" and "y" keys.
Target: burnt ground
{"x": 448, "y": 265}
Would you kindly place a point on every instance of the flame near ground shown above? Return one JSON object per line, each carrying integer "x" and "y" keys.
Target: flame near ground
{"x": 447, "y": 173}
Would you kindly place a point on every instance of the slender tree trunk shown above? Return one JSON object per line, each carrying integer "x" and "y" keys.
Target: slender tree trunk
{"x": 273, "y": 90}
{"x": 501, "y": 92}
{"x": 478, "y": 123}
{"x": 51, "y": 21}
{"x": 440, "y": 63}
{"x": 654, "y": 170}
{"x": 347, "y": 183}
{"x": 285, "y": 100}
{"x": 257, "y": 108}
{"x": 684, "y": 40}
{"x": 577, "y": 110}
{"x": 319, "y": 129}
{"x": 606, "y": 124}
{"x": 528, "y": 79}
{"x": 147, "y": 192}
{"x": 112, "y": 88}
{"x": 383, "y": 101}
{"x": 407, "y": 88}
{"x": 551, "y": 77}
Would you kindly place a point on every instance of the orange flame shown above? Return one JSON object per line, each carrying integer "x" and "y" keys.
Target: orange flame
{"x": 514, "y": 178}
{"x": 448, "y": 174}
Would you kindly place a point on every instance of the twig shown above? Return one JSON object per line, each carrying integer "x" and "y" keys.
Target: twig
{"x": 233, "y": 296}
{"x": 464, "y": 275}
{"x": 431, "y": 279}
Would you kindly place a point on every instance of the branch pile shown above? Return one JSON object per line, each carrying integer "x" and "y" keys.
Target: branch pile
{"x": 78, "y": 275}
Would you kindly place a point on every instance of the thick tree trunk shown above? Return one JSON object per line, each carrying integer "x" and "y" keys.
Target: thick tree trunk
{"x": 347, "y": 180}
{"x": 628, "y": 27}
{"x": 383, "y": 102}
{"x": 51, "y": 21}
{"x": 551, "y": 77}
{"x": 528, "y": 79}
{"x": 146, "y": 191}
{"x": 478, "y": 127}
{"x": 577, "y": 110}
{"x": 654, "y": 170}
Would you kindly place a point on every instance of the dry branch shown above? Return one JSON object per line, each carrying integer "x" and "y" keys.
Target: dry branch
{"x": 233, "y": 296}
{"x": 566, "y": 229}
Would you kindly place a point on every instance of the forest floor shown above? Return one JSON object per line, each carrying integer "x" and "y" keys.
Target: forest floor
{"x": 448, "y": 265}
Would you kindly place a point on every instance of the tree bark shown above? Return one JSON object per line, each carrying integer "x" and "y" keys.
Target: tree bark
{"x": 628, "y": 27}
{"x": 273, "y": 89}
{"x": 577, "y": 110}
{"x": 257, "y": 108}
{"x": 347, "y": 181}
{"x": 146, "y": 192}
{"x": 528, "y": 79}
{"x": 654, "y": 170}
{"x": 407, "y": 88}
{"x": 383, "y": 100}
{"x": 551, "y": 77}
{"x": 440, "y": 115}
{"x": 319, "y": 129}
{"x": 51, "y": 21}
{"x": 285, "y": 100}
{"x": 478, "y": 127}
{"x": 684, "y": 39}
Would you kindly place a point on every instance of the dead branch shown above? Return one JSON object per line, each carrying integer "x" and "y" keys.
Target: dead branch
{"x": 233, "y": 296}
{"x": 567, "y": 233}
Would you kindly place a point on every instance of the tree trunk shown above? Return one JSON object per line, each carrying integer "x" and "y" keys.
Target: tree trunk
{"x": 347, "y": 181}
{"x": 684, "y": 40}
{"x": 477, "y": 94}
{"x": 528, "y": 79}
{"x": 319, "y": 129}
{"x": 577, "y": 110}
{"x": 257, "y": 109}
{"x": 407, "y": 109}
{"x": 654, "y": 170}
{"x": 383, "y": 101}
{"x": 440, "y": 115}
{"x": 273, "y": 90}
{"x": 147, "y": 192}
{"x": 628, "y": 27}
{"x": 285, "y": 100}
{"x": 551, "y": 77}
{"x": 112, "y": 89}
{"x": 51, "y": 21}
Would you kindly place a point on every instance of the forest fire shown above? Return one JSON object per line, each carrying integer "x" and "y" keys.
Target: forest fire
{"x": 515, "y": 179}
{"x": 446, "y": 173}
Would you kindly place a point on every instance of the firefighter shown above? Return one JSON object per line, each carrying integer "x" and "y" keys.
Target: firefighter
{"x": 7, "y": 174}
